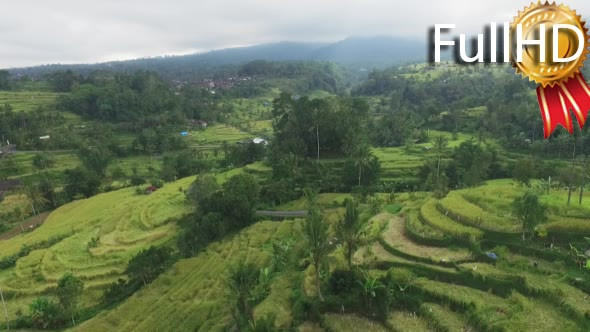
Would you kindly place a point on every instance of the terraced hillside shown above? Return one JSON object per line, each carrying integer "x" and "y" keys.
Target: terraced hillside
{"x": 401, "y": 165}
{"x": 439, "y": 246}
{"x": 459, "y": 288}
{"x": 192, "y": 295}
{"x": 216, "y": 134}
{"x": 93, "y": 238}
{"x": 26, "y": 101}
{"x": 451, "y": 285}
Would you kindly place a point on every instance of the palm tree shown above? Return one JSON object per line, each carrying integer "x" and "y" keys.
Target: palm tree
{"x": 440, "y": 145}
{"x": 350, "y": 144}
{"x": 349, "y": 230}
{"x": 545, "y": 185}
{"x": 583, "y": 178}
{"x": 20, "y": 215}
{"x": 5, "y": 311}
{"x": 362, "y": 160}
{"x": 316, "y": 127}
{"x": 316, "y": 233}
{"x": 571, "y": 186}
{"x": 34, "y": 195}
{"x": 242, "y": 280}
{"x": 293, "y": 161}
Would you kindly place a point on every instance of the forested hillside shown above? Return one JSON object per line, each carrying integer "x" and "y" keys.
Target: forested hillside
{"x": 360, "y": 53}
{"x": 289, "y": 195}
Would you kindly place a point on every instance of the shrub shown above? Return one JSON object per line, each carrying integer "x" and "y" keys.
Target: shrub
{"x": 45, "y": 313}
{"x": 342, "y": 281}
{"x": 118, "y": 291}
{"x": 158, "y": 183}
{"x": 136, "y": 179}
{"x": 149, "y": 263}
{"x": 304, "y": 308}
{"x": 393, "y": 208}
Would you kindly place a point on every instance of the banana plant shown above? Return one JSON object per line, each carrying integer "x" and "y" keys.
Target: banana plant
{"x": 579, "y": 258}
{"x": 370, "y": 287}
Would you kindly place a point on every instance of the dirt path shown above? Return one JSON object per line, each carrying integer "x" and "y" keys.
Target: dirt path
{"x": 30, "y": 223}
{"x": 282, "y": 214}
{"x": 395, "y": 236}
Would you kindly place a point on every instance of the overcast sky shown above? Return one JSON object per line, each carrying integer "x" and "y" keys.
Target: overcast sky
{"x": 78, "y": 31}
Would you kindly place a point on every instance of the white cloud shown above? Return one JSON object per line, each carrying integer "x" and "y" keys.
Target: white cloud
{"x": 75, "y": 31}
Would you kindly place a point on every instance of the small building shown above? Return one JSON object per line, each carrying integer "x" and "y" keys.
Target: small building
{"x": 259, "y": 140}
{"x": 44, "y": 138}
{"x": 198, "y": 123}
{"x": 7, "y": 150}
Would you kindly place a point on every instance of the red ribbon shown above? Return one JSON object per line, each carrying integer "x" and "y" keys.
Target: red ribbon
{"x": 557, "y": 101}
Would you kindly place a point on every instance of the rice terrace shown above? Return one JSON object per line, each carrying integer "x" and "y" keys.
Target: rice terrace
{"x": 285, "y": 186}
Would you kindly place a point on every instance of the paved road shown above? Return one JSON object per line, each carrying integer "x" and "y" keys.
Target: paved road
{"x": 282, "y": 214}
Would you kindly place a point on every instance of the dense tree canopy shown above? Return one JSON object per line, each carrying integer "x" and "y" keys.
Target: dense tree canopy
{"x": 310, "y": 127}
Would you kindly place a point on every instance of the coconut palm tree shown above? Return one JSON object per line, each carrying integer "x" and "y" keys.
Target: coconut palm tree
{"x": 545, "y": 185}
{"x": 316, "y": 234}
{"x": 242, "y": 280}
{"x": 316, "y": 128}
{"x": 349, "y": 230}
{"x": 572, "y": 173}
{"x": 440, "y": 145}
{"x": 362, "y": 160}
{"x": 583, "y": 177}
{"x": 34, "y": 196}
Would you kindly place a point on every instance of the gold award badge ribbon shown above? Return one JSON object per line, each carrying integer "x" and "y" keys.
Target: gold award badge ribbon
{"x": 561, "y": 85}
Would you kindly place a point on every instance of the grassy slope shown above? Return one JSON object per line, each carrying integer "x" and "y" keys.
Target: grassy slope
{"x": 400, "y": 163}
{"x": 535, "y": 298}
{"x": 26, "y": 101}
{"x": 216, "y": 134}
{"x": 192, "y": 295}
{"x": 122, "y": 221}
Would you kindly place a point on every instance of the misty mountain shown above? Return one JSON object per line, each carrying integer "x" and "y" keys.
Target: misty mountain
{"x": 365, "y": 52}
{"x": 374, "y": 51}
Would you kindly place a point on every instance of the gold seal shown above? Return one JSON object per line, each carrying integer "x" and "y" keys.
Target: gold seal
{"x": 549, "y": 73}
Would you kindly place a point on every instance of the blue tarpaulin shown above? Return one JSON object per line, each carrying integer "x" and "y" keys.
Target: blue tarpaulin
{"x": 184, "y": 133}
{"x": 492, "y": 255}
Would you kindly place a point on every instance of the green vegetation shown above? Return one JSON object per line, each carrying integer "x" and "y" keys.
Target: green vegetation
{"x": 98, "y": 235}
{"x": 216, "y": 134}
{"x": 26, "y": 101}
{"x": 193, "y": 292}
{"x": 393, "y": 209}
{"x": 316, "y": 235}
{"x": 435, "y": 218}
{"x": 473, "y": 215}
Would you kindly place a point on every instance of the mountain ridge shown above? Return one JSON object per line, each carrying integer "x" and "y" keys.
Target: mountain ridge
{"x": 372, "y": 52}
